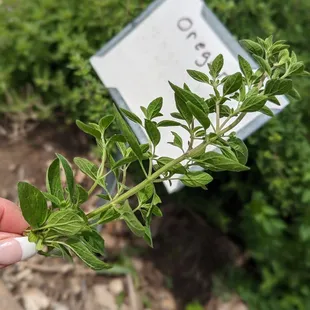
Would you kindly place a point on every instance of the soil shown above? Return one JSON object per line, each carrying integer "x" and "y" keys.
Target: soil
{"x": 177, "y": 271}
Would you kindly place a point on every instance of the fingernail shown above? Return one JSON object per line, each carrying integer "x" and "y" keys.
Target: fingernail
{"x": 15, "y": 250}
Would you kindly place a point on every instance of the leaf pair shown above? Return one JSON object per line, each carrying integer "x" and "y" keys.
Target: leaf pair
{"x": 214, "y": 161}
{"x": 84, "y": 251}
{"x": 134, "y": 224}
{"x": 190, "y": 105}
{"x": 53, "y": 180}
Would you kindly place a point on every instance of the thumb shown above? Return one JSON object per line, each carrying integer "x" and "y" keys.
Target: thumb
{"x": 16, "y": 249}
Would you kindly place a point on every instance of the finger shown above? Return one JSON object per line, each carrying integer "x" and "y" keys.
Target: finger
{"x": 15, "y": 250}
{"x": 11, "y": 219}
{"x": 5, "y": 235}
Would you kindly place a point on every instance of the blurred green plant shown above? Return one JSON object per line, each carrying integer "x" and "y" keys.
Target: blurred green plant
{"x": 194, "y": 306}
{"x": 45, "y": 45}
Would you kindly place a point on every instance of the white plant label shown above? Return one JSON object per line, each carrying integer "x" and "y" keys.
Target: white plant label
{"x": 175, "y": 37}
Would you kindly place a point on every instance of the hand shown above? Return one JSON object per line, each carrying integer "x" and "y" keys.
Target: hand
{"x": 13, "y": 246}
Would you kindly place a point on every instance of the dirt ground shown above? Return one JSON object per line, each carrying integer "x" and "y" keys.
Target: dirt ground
{"x": 176, "y": 272}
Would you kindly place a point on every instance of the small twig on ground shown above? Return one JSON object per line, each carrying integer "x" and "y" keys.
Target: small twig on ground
{"x": 63, "y": 269}
{"x": 134, "y": 300}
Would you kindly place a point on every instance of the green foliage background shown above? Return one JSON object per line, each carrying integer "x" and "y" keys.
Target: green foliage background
{"x": 45, "y": 46}
{"x": 267, "y": 209}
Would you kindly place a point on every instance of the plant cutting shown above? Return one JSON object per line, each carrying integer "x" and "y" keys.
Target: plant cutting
{"x": 58, "y": 225}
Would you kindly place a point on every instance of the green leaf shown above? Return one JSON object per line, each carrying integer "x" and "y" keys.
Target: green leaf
{"x": 124, "y": 161}
{"x": 239, "y": 148}
{"x": 253, "y": 47}
{"x": 232, "y": 83}
{"x": 218, "y": 162}
{"x": 143, "y": 109}
{"x": 32, "y": 237}
{"x": 253, "y": 103}
{"x": 104, "y": 196}
{"x": 196, "y": 179}
{"x": 117, "y": 138}
{"x": 242, "y": 93}
{"x": 177, "y": 115}
{"x": 152, "y": 132}
{"x": 154, "y": 108}
{"x": 156, "y": 211}
{"x": 106, "y": 121}
{"x": 224, "y": 111}
{"x": 261, "y": 42}
{"x": 129, "y": 135}
{"x": 116, "y": 270}
{"x": 177, "y": 168}
{"x": 245, "y": 68}
{"x": 284, "y": 56}
{"x": 294, "y": 94}
{"x": 63, "y": 252}
{"x": 144, "y": 149}
{"x": 146, "y": 193}
{"x": 133, "y": 117}
{"x": 185, "y": 96}
{"x": 200, "y": 133}
{"x": 66, "y": 222}
{"x": 53, "y": 199}
{"x": 263, "y": 64}
{"x": 183, "y": 109}
{"x": 200, "y": 115}
{"x": 198, "y": 76}
{"x": 274, "y": 100}
{"x": 33, "y": 204}
{"x": 88, "y": 168}
{"x": 69, "y": 175}
{"x": 94, "y": 241}
{"x": 108, "y": 216}
{"x": 85, "y": 254}
{"x": 186, "y": 87}
{"x": 89, "y": 129}
{"x": 211, "y": 102}
{"x": 265, "y": 110}
{"x": 53, "y": 181}
{"x": 216, "y": 66}
{"x": 177, "y": 141}
{"x": 168, "y": 123}
{"x": 296, "y": 68}
{"x": 276, "y": 48}
{"x": 148, "y": 236}
{"x": 293, "y": 57}
{"x": 227, "y": 152}
{"x": 269, "y": 41}
{"x": 80, "y": 195}
{"x": 278, "y": 87}
{"x": 131, "y": 220}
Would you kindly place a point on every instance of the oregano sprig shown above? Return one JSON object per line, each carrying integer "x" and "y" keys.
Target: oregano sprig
{"x": 61, "y": 228}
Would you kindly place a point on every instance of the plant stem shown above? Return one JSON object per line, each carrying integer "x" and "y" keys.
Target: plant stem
{"x": 234, "y": 123}
{"x": 191, "y": 142}
{"x": 229, "y": 118}
{"x": 92, "y": 188}
{"x": 143, "y": 169}
{"x": 150, "y": 179}
{"x": 120, "y": 190}
{"x": 217, "y": 110}
{"x": 146, "y": 182}
{"x": 151, "y": 160}
{"x": 101, "y": 167}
